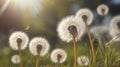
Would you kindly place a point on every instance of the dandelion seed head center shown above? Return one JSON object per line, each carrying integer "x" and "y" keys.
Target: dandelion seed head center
{"x": 73, "y": 30}
{"x": 84, "y": 17}
{"x": 39, "y": 48}
{"x": 103, "y": 11}
{"x": 83, "y": 61}
{"x": 118, "y": 24}
{"x": 19, "y": 41}
{"x": 59, "y": 57}
{"x": 16, "y": 59}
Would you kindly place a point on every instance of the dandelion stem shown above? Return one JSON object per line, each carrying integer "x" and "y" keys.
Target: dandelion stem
{"x": 91, "y": 42}
{"x": 58, "y": 65}
{"x": 19, "y": 50}
{"x": 75, "y": 52}
{"x": 37, "y": 56}
{"x": 19, "y": 41}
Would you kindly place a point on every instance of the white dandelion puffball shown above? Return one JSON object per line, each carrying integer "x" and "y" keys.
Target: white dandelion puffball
{"x": 18, "y": 35}
{"x": 83, "y": 61}
{"x": 115, "y": 27}
{"x": 39, "y": 41}
{"x": 15, "y": 59}
{"x": 64, "y": 25}
{"x": 85, "y": 13}
{"x": 58, "y": 56}
{"x": 102, "y": 9}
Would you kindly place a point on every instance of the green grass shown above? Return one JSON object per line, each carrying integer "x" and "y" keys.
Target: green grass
{"x": 108, "y": 57}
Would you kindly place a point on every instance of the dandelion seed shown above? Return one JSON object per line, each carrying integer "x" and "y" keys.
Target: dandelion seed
{"x": 84, "y": 15}
{"x": 15, "y": 59}
{"x": 103, "y": 10}
{"x": 39, "y": 46}
{"x": 18, "y": 39}
{"x": 58, "y": 56}
{"x": 70, "y": 23}
{"x": 115, "y": 28}
{"x": 83, "y": 61}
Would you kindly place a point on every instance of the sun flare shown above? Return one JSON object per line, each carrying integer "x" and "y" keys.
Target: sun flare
{"x": 33, "y": 6}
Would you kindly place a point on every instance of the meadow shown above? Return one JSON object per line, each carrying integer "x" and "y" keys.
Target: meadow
{"x": 75, "y": 41}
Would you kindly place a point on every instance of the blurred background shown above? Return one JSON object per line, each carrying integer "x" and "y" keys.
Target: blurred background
{"x": 41, "y": 17}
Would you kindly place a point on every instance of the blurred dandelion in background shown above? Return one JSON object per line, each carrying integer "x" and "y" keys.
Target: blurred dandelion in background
{"x": 115, "y": 28}
{"x": 15, "y": 59}
{"x": 102, "y": 10}
{"x": 58, "y": 55}
{"x": 83, "y": 61}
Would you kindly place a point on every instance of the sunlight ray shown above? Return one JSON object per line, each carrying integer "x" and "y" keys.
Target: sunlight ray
{"x": 3, "y": 8}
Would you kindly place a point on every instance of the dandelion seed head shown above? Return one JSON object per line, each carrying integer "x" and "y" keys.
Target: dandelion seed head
{"x": 69, "y": 27}
{"x": 15, "y": 59}
{"x": 83, "y": 60}
{"x": 39, "y": 46}
{"x": 58, "y": 56}
{"x": 18, "y": 39}
{"x": 85, "y": 15}
{"x": 115, "y": 27}
{"x": 102, "y": 9}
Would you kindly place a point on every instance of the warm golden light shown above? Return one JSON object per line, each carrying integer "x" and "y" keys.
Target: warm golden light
{"x": 33, "y": 5}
